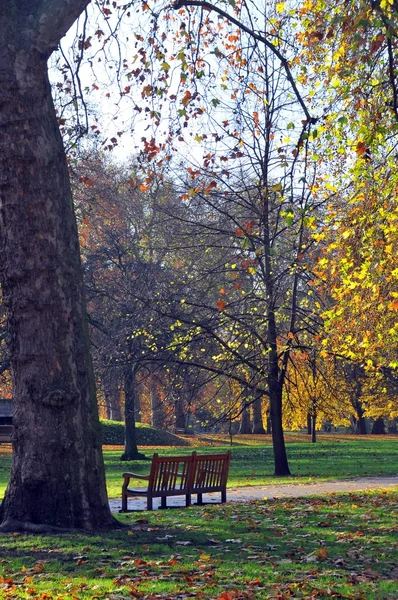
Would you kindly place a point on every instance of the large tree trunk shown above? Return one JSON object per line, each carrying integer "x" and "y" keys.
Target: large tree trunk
{"x": 57, "y": 473}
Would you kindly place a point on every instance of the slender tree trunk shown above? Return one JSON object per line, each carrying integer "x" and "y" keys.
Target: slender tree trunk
{"x": 245, "y": 425}
{"x": 137, "y": 405}
{"x": 278, "y": 440}
{"x": 275, "y": 396}
{"x": 57, "y": 473}
{"x": 157, "y": 410}
{"x": 180, "y": 413}
{"x": 130, "y": 435}
{"x": 309, "y": 423}
{"x": 269, "y": 424}
{"x": 360, "y": 424}
{"x": 112, "y": 395}
{"x": 313, "y": 435}
{"x": 258, "y": 427}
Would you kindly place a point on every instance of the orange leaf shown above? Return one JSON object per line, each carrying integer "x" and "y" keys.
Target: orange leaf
{"x": 220, "y": 305}
{"x": 322, "y": 553}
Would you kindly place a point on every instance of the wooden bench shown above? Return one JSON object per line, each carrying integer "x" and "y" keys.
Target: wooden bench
{"x": 5, "y": 434}
{"x": 210, "y": 474}
{"x": 180, "y": 476}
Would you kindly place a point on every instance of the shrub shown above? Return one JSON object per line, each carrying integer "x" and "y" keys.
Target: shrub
{"x": 113, "y": 435}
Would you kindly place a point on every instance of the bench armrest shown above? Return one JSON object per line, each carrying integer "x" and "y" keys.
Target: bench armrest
{"x": 129, "y": 476}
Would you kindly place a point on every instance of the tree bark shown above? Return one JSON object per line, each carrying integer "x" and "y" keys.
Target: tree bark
{"x": 157, "y": 411}
{"x": 112, "y": 395}
{"x": 137, "y": 406}
{"x": 269, "y": 424}
{"x": 57, "y": 473}
{"x": 275, "y": 396}
{"x": 130, "y": 435}
{"x": 309, "y": 423}
{"x": 258, "y": 427}
{"x": 313, "y": 419}
{"x": 245, "y": 425}
{"x": 179, "y": 413}
{"x": 278, "y": 440}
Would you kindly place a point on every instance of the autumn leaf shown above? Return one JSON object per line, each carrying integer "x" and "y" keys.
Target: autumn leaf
{"x": 220, "y": 305}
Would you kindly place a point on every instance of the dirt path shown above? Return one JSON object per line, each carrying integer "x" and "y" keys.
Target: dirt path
{"x": 287, "y": 490}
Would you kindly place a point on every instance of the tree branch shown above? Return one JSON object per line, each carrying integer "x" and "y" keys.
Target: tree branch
{"x": 255, "y": 35}
{"x": 54, "y": 19}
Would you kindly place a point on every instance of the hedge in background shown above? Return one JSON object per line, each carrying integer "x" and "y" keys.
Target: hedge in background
{"x": 113, "y": 435}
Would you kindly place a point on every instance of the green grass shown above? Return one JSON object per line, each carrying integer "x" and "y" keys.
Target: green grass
{"x": 113, "y": 433}
{"x": 330, "y": 458}
{"x": 253, "y": 465}
{"x": 336, "y": 546}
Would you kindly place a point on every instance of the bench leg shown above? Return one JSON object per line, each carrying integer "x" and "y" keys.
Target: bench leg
{"x": 163, "y": 502}
{"x": 200, "y": 498}
{"x": 188, "y": 500}
{"x": 149, "y": 503}
{"x": 223, "y": 496}
{"x": 124, "y": 502}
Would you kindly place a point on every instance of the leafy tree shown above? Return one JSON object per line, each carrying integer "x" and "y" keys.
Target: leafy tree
{"x": 359, "y": 130}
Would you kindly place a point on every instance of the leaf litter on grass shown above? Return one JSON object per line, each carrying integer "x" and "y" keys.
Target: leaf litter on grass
{"x": 336, "y": 546}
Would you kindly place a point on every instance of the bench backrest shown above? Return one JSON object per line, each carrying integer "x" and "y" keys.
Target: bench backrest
{"x": 210, "y": 470}
{"x": 170, "y": 473}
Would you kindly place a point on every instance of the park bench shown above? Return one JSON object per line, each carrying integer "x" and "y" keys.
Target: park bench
{"x": 5, "y": 434}
{"x": 180, "y": 476}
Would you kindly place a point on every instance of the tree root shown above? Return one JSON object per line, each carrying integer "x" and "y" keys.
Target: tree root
{"x": 15, "y": 526}
{"x": 12, "y": 525}
{"x": 136, "y": 456}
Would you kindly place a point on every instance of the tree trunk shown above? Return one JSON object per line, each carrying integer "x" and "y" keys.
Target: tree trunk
{"x": 360, "y": 424}
{"x": 180, "y": 414}
{"x": 275, "y": 397}
{"x": 245, "y": 425}
{"x": 278, "y": 440}
{"x": 258, "y": 426}
{"x": 157, "y": 410}
{"x": 130, "y": 435}
{"x": 269, "y": 424}
{"x": 57, "y": 473}
{"x": 111, "y": 387}
{"x": 379, "y": 427}
{"x": 309, "y": 423}
{"x": 313, "y": 435}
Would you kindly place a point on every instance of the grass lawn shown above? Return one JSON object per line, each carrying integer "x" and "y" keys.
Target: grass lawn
{"x": 332, "y": 457}
{"x": 337, "y": 546}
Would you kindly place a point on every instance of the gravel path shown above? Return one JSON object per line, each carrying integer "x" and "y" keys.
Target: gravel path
{"x": 287, "y": 490}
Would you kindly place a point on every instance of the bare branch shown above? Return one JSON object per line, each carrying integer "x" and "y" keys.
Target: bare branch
{"x": 255, "y": 35}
